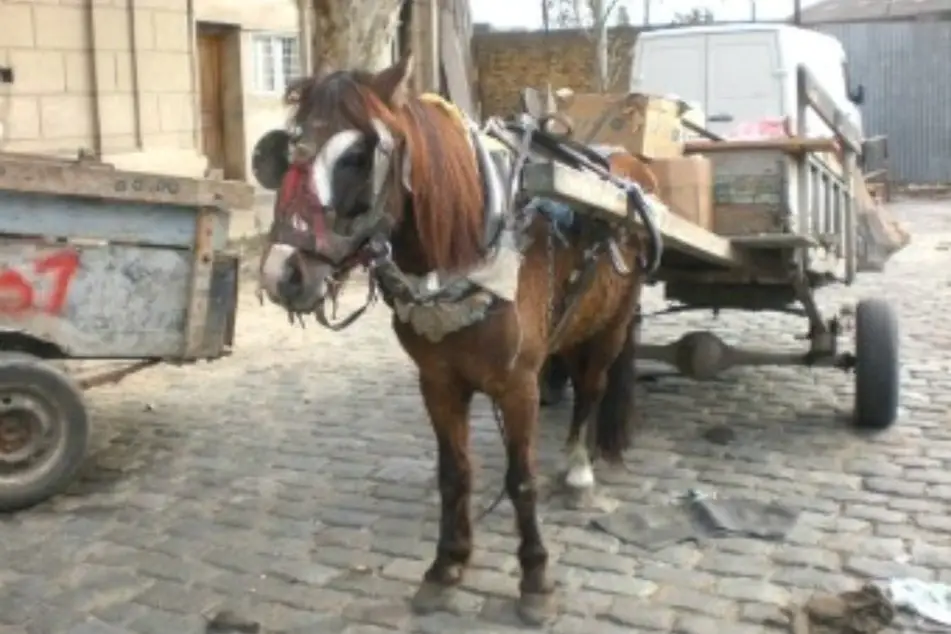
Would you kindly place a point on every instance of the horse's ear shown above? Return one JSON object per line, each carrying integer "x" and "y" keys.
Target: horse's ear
{"x": 393, "y": 83}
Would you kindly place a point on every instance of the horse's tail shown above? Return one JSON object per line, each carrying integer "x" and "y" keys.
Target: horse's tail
{"x": 616, "y": 417}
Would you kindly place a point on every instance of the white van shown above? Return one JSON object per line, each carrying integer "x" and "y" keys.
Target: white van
{"x": 743, "y": 73}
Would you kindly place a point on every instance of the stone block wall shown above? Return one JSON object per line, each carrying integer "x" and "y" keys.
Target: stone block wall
{"x": 101, "y": 75}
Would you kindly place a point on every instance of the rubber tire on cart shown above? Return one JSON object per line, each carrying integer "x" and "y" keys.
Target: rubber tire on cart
{"x": 26, "y": 379}
{"x": 876, "y": 365}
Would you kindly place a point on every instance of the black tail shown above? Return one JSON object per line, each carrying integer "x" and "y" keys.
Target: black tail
{"x": 615, "y": 421}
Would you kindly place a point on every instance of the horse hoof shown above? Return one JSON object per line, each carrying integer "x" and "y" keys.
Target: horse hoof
{"x": 537, "y": 609}
{"x": 580, "y": 477}
{"x": 587, "y": 499}
{"x": 433, "y": 597}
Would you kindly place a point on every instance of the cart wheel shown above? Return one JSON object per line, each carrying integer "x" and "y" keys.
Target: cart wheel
{"x": 43, "y": 431}
{"x": 876, "y": 370}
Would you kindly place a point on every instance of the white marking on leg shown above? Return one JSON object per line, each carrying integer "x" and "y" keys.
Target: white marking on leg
{"x": 580, "y": 474}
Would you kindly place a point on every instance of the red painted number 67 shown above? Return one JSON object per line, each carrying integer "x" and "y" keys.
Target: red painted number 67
{"x": 18, "y": 293}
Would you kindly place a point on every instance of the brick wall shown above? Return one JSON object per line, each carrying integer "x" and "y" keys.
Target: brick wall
{"x": 508, "y": 61}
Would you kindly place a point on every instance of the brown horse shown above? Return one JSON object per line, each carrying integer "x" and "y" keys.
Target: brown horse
{"x": 395, "y": 182}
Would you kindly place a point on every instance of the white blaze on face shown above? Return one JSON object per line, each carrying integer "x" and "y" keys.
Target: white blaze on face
{"x": 326, "y": 162}
{"x": 274, "y": 271}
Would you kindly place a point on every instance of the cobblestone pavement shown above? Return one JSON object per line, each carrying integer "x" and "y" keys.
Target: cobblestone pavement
{"x": 293, "y": 484}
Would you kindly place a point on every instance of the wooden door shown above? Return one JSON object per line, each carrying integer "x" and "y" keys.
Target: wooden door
{"x": 210, "y": 46}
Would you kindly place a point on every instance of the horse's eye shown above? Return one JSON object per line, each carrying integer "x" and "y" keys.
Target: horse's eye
{"x": 354, "y": 160}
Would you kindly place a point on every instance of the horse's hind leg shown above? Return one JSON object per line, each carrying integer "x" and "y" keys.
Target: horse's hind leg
{"x": 447, "y": 402}
{"x": 589, "y": 379}
{"x": 602, "y": 369}
{"x": 519, "y": 406}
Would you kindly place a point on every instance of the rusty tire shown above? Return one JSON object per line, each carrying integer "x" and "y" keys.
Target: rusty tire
{"x": 40, "y": 405}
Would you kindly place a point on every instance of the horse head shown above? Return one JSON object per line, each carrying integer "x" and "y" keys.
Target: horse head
{"x": 338, "y": 180}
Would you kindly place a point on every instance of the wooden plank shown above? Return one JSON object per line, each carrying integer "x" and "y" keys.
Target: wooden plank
{"x": 111, "y": 301}
{"x": 794, "y": 146}
{"x": 200, "y": 284}
{"x": 77, "y": 178}
{"x": 774, "y": 241}
{"x": 825, "y": 107}
{"x": 89, "y": 161}
{"x": 557, "y": 181}
{"x": 69, "y": 217}
{"x": 732, "y": 220}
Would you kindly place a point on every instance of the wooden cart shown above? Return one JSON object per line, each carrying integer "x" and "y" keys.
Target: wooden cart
{"x": 792, "y": 230}
{"x": 97, "y": 263}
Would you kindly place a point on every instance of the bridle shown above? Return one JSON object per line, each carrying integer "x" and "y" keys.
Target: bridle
{"x": 300, "y": 221}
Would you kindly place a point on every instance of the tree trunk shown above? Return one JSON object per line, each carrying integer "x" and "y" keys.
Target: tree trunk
{"x": 601, "y": 43}
{"x": 354, "y": 33}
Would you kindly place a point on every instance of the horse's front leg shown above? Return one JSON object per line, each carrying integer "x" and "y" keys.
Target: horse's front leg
{"x": 519, "y": 407}
{"x": 447, "y": 402}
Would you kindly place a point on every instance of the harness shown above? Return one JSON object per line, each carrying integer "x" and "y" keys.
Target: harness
{"x": 301, "y": 221}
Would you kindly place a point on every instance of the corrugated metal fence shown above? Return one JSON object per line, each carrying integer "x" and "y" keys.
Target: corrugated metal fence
{"x": 906, "y": 70}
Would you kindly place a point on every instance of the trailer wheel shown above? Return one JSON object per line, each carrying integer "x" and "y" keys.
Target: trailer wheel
{"x": 44, "y": 429}
{"x": 877, "y": 365}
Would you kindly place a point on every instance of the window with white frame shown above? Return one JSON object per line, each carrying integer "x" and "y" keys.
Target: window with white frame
{"x": 276, "y": 60}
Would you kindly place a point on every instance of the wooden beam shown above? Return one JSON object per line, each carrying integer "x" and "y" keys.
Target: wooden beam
{"x": 44, "y": 175}
{"x": 792, "y": 145}
{"x": 825, "y": 107}
{"x": 604, "y": 199}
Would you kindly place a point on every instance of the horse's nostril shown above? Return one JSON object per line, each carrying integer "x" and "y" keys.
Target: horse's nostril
{"x": 291, "y": 285}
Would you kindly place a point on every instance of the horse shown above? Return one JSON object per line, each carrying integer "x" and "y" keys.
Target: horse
{"x": 556, "y": 372}
{"x": 396, "y": 182}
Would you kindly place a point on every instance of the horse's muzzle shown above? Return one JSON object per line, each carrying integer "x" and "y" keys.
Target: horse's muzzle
{"x": 293, "y": 280}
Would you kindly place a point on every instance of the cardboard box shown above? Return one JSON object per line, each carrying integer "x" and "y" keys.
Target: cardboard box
{"x": 644, "y": 125}
{"x": 685, "y": 184}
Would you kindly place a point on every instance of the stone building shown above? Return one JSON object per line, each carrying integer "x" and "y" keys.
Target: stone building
{"x": 100, "y": 76}
{"x": 171, "y": 86}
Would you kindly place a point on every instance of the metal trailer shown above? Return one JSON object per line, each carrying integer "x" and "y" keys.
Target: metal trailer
{"x": 790, "y": 229}
{"x": 101, "y": 264}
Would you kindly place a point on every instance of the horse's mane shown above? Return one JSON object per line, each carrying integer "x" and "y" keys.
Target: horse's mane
{"x": 446, "y": 188}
